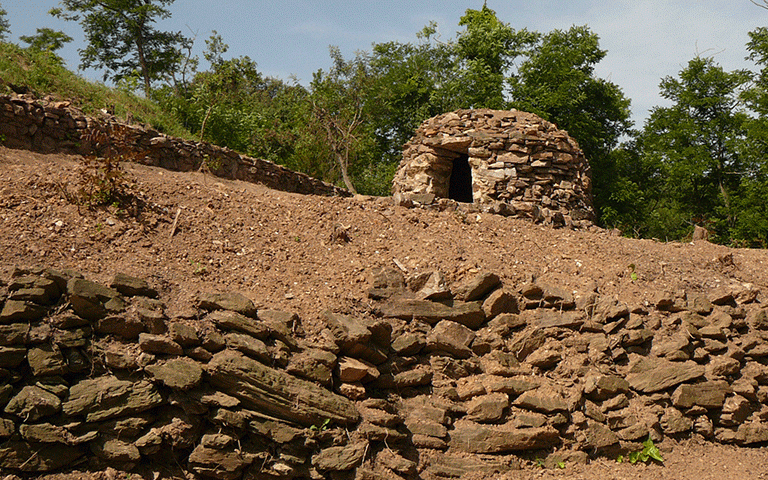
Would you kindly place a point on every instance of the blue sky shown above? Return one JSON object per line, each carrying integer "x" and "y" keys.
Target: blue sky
{"x": 645, "y": 39}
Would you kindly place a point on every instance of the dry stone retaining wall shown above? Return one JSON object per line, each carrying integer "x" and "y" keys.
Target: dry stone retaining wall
{"x": 58, "y": 127}
{"x": 509, "y": 162}
{"x": 435, "y": 381}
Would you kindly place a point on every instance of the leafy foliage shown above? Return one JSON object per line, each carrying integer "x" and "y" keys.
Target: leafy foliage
{"x": 694, "y": 147}
{"x": 46, "y": 39}
{"x": 43, "y": 73}
{"x": 557, "y": 81}
{"x": 338, "y": 100}
{"x": 102, "y": 180}
{"x": 5, "y": 25}
{"x": 121, "y": 37}
{"x": 485, "y": 51}
{"x": 649, "y": 452}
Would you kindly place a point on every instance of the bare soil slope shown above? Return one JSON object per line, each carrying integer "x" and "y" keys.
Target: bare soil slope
{"x": 307, "y": 254}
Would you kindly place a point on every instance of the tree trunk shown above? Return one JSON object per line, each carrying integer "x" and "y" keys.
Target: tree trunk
{"x": 345, "y": 174}
{"x": 144, "y": 66}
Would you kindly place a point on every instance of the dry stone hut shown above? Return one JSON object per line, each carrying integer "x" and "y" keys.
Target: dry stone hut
{"x": 508, "y": 162}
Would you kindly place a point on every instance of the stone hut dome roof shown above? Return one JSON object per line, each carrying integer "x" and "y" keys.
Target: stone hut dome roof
{"x": 506, "y": 161}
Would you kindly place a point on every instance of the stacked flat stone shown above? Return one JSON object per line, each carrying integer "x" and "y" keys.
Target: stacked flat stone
{"x": 474, "y": 376}
{"x": 49, "y": 126}
{"x": 522, "y": 165}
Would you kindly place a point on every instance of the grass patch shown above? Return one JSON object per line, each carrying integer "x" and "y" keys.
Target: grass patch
{"x": 43, "y": 73}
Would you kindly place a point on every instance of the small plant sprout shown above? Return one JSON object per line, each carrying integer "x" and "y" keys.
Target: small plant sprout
{"x": 649, "y": 452}
{"x": 322, "y": 427}
{"x": 632, "y": 273}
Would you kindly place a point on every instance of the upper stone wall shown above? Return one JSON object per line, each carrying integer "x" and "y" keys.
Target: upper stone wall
{"x": 59, "y": 127}
{"x": 518, "y": 165}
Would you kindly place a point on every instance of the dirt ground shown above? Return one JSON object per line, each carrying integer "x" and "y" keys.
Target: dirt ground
{"x": 279, "y": 249}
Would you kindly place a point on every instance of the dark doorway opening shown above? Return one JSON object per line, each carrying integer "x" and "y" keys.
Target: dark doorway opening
{"x": 460, "y": 184}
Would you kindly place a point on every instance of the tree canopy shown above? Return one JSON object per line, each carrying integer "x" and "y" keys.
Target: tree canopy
{"x": 5, "y": 26}
{"x": 46, "y": 39}
{"x": 121, "y": 37}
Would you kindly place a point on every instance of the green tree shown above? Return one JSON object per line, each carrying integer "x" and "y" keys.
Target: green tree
{"x": 122, "y": 39}
{"x": 485, "y": 51}
{"x": 557, "y": 81}
{"x": 46, "y": 39}
{"x": 696, "y": 146}
{"x": 751, "y": 225}
{"x": 338, "y": 99}
{"x": 407, "y": 86}
{"x": 5, "y": 26}
{"x": 233, "y": 105}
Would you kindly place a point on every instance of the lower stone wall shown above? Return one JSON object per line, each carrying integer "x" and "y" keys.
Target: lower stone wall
{"x": 58, "y": 127}
{"x": 435, "y": 381}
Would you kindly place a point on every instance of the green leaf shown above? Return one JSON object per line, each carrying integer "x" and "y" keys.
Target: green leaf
{"x": 652, "y": 451}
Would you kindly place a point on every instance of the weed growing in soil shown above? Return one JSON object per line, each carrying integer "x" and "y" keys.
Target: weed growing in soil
{"x": 649, "y": 452}
{"x": 102, "y": 180}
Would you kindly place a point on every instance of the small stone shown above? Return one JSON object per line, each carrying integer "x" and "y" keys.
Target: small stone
{"x": 387, "y": 282}
{"x": 20, "y": 311}
{"x": 253, "y": 347}
{"x": 151, "y": 343}
{"x": 33, "y": 403}
{"x": 183, "y": 334}
{"x": 230, "y": 320}
{"x": 12, "y": 357}
{"x": 125, "y": 326}
{"x": 409, "y": 344}
{"x": 13, "y": 334}
{"x": 424, "y": 427}
{"x": 340, "y": 458}
{"x": 476, "y": 287}
{"x": 651, "y": 375}
{"x": 499, "y": 302}
{"x": 674, "y": 422}
{"x": 433, "y": 287}
{"x": 721, "y": 366}
{"x": 451, "y": 337}
{"x": 132, "y": 286}
{"x": 544, "y": 358}
{"x": 45, "y": 360}
{"x": 234, "y": 302}
{"x": 543, "y": 400}
{"x": 500, "y": 363}
{"x": 708, "y": 395}
{"x": 179, "y": 374}
{"x": 313, "y": 364}
{"x": 417, "y": 377}
{"x": 93, "y": 301}
{"x": 350, "y": 370}
{"x": 758, "y": 319}
{"x": 599, "y": 436}
{"x": 487, "y": 408}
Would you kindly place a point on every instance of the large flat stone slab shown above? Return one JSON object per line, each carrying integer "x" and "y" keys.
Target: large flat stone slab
{"x": 651, "y": 375}
{"x": 277, "y": 393}
{"x": 474, "y": 438}
{"x": 469, "y": 314}
{"x": 109, "y": 397}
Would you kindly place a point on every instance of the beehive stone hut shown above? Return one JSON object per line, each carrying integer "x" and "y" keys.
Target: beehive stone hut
{"x": 507, "y": 162}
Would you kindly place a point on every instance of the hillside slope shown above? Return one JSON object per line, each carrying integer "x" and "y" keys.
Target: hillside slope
{"x": 308, "y": 254}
